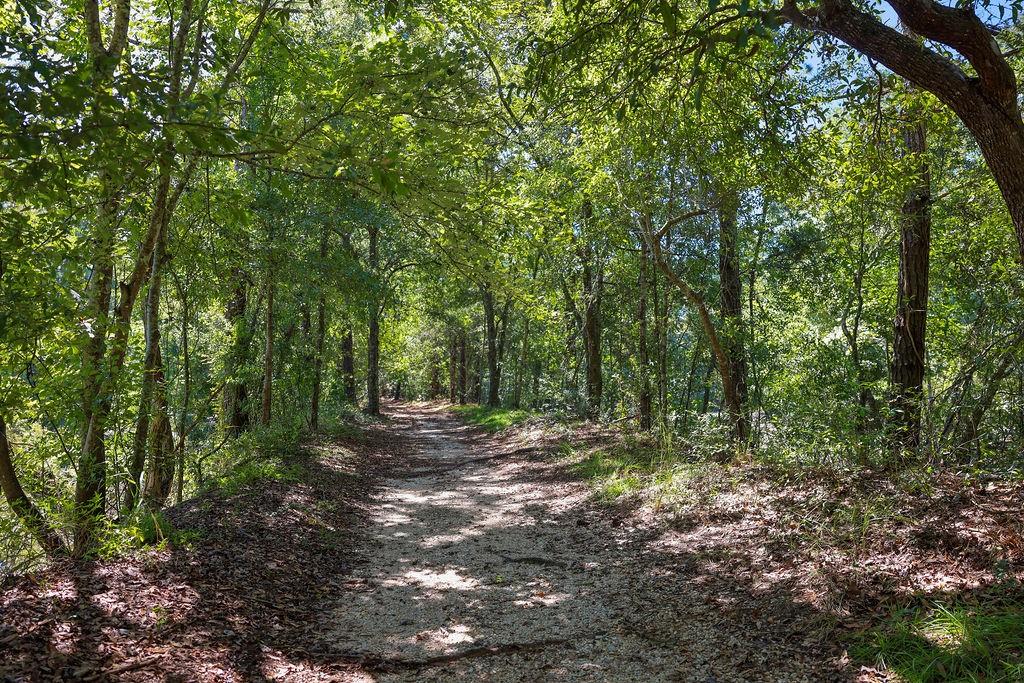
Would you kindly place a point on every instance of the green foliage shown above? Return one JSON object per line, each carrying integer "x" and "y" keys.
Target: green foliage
{"x": 491, "y": 419}
{"x": 267, "y": 454}
{"x": 948, "y": 641}
{"x": 484, "y": 181}
{"x": 625, "y": 468}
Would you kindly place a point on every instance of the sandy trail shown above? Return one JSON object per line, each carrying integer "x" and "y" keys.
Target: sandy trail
{"x": 483, "y": 566}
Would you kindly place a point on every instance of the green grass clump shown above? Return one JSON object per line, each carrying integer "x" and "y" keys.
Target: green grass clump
{"x": 621, "y": 469}
{"x": 491, "y": 419}
{"x": 250, "y": 473}
{"x": 941, "y": 642}
{"x": 144, "y": 528}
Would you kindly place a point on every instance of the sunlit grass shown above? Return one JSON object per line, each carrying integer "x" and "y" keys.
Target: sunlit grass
{"x": 631, "y": 466}
{"x": 492, "y": 419}
{"x": 940, "y": 642}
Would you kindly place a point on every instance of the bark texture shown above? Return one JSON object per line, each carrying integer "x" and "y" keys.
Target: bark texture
{"x": 907, "y": 370}
{"x": 731, "y": 309}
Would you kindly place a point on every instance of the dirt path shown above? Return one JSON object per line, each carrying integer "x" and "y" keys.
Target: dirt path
{"x": 471, "y": 558}
{"x": 483, "y": 566}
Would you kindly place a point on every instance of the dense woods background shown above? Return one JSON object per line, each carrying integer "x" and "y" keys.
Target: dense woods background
{"x": 755, "y": 232}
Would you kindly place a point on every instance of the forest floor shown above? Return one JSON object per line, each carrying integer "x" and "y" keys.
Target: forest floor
{"x": 427, "y": 550}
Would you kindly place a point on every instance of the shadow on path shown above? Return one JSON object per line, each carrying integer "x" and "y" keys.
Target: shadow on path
{"x": 425, "y": 551}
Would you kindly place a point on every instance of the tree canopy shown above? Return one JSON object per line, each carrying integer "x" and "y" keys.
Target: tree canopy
{"x": 789, "y": 232}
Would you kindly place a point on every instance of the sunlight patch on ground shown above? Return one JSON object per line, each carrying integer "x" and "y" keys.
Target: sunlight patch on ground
{"x": 441, "y": 540}
{"x": 445, "y": 638}
{"x": 449, "y": 579}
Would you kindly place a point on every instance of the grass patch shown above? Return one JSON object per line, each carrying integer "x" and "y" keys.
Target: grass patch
{"x": 948, "y": 642}
{"x": 491, "y": 419}
{"x": 621, "y": 469}
{"x": 648, "y": 467}
{"x": 144, "y": 528}
{"x": 250, "y": 473}
{"x": 265, "y": 454}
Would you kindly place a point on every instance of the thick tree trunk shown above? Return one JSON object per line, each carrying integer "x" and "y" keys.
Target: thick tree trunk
{"x": 21, "y": 504}
{"x": 373, "y": 337}
{"x": 731, "y": 306}
{"x": 908, "y": 362}
{"x": 1001, "y": 140}
{"x": 986, "y": 101}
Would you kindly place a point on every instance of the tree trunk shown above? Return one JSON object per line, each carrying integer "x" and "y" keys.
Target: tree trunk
{"x": 463, "y": 368}
{"x": 373, "y": 338}
{"x": 477, "y": 384}
{"x": 186, "y": 393}
{"x": 593, "y": 286}
{"x": 524, "y": 350}
{"x": 1001, "y": 140}
{"x": 321, "y": 332}
{"x": 719, "y": 355}
{"x": 235, "y": 412}
{"x": 908, "y": 362}
{"x": 96, "y": 368}
{"x": 21, "y": 504}
{"x": 435, "y": 378}
{"x": 161, "y": 462}
{"x": 573, "y": 323}
{"x": 160, "y": 473}
{"x": 986, "y": 101}
{"x": 643, "y": 357}
{"x": 150, "y": 368}
{"x": 731, "y": 303}
{"x": 268, "y": 355}
{"x": 661, "y": 305}
{"x": 453, "y": 369}
{"x": 690, "y": 376}
{"x": 493, "y": 369}
{"x": 348, "y": 367}
{"x": 972, "y": 423}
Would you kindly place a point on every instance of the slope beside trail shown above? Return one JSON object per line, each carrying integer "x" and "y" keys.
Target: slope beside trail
{"x": 425, "y": 550}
